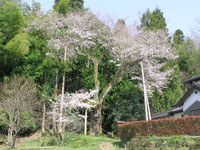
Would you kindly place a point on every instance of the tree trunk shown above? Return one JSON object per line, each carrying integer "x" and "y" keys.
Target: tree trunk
{"x": 61, "y": 105}
{"x": 10, "y": 137}
{"x": 96, "y": 118}
{"x": 62, "y": 98}
{"x": 63, "y": 133}
{"x": 96, "y": 121}
{"x": 96, "y": 81}
{"x": 54, "y": 106}
{"x": 14, "y": 139}
{"x": 43, "y": 117}
{"x": 54, "y": 120}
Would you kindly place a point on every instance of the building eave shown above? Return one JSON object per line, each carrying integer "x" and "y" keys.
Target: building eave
{"x": 196, "y": 78}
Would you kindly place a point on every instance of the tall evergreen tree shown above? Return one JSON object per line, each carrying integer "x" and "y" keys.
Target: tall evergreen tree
{"x": 64, "y": 6}
{"x": 146, "y": 19}
{"x": 153, "y": 20}
{"x": 178, "y": 37}
{"x": 77, "y": 4}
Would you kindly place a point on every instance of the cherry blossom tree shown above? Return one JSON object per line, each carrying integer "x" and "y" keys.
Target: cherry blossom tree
{"x": 72, "y": 101}
{"x": 53, "y": 25}
{"x": 78, "y": 32}
{"x": 82, "y": 33}
{"x": 149, "y": 47}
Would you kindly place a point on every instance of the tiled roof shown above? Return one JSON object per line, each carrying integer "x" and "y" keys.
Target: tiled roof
{"x": 168, "y": 112}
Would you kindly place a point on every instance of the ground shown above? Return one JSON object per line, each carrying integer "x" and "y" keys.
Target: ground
{"x": 82, "y": 142}
{"x": 106, "y": 146}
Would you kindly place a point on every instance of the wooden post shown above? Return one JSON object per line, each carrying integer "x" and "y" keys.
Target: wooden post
{"x": 85, "y": 129}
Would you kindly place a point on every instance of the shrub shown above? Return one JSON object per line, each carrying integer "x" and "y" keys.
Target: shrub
{"x": 50, "y": 141}
{"x": 161, "y": 127}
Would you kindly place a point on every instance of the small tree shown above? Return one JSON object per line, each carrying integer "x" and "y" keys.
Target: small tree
{"x": 72, "y": 103}
{"x": 18, "y": 102}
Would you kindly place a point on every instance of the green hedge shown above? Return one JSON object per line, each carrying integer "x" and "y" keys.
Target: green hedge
{"x": 161, "y": 127}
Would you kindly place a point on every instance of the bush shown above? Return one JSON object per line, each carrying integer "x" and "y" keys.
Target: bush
{"x": 161, "y": 127}
{"x": 50, "y": 141}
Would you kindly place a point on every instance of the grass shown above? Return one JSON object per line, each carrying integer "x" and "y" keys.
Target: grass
{"x": 82, "y": 142}
{"x": 72, "y": 142}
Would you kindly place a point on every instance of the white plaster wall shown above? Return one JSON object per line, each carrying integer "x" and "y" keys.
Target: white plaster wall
{"x": 191, "y": 99}
{"x": 176, "y": 115}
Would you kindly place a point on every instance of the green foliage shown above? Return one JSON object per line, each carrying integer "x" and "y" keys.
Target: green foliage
{"x": 81, "y": 74}
{"x": 11, "y": 21}
{"x": 28, "y": 123}
{"x": 63, "y": 6}
{"x": 146, "y": 19}
{"x": 163, "y": 127}
{"x": 161, "y": 102}
{"x": 178, "y": 38}
{"x": 19, "y": 45}
{"x": 74, "y": 4}
{"x": 13, "y": 43}
{"x": 189, "y": 59}
{"x": 2, "y": 2}
{"x": 153, "y": 20}
{"x": 3, "y": 126}
{"x": 124, "y": 103}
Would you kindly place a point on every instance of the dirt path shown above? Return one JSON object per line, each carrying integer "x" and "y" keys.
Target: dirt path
{"x": 106, "y": 146}
{"x": 35, "y": 136}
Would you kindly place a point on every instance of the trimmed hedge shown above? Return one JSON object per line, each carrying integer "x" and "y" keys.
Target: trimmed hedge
{"x": 160, "y": 127}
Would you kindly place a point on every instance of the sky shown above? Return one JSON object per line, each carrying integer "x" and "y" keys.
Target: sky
{"x": 179, "y": 14}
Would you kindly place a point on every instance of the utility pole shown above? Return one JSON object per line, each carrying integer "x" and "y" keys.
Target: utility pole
{"x": 146, "y": 101}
